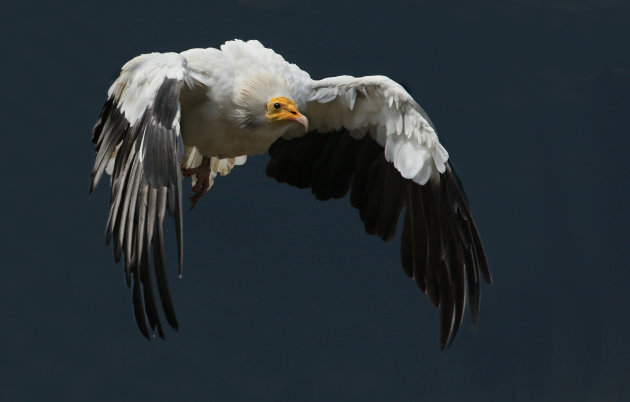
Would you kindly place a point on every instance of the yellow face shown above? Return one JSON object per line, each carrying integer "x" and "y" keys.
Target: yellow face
{"x": 284, "y": 109}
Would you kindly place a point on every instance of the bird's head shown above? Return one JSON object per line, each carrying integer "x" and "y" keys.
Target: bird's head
{"x": 282, "y": 109}
{"x": 267, "y": 99}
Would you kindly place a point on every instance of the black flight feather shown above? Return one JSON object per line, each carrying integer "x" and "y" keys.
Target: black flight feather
{"x": 440, "y": 246}
{"x": 146, "y": 182}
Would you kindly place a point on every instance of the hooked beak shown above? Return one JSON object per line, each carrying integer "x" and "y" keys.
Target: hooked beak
{"x": 300, "y": 118}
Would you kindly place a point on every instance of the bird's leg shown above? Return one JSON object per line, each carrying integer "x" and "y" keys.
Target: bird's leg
{"x": 202, "y": 175}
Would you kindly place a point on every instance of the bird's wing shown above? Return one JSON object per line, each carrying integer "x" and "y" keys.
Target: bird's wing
{"x": 398, "y": 165}
{"x": 137, "y": 142}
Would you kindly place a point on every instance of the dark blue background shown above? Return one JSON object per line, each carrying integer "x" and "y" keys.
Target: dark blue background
{"x": 285, "y": 298}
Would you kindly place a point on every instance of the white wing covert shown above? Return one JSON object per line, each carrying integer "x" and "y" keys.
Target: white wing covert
{"x": 137, "y": 140}
{"x": 399, "y": 165}
{"x": 378, "y": 105}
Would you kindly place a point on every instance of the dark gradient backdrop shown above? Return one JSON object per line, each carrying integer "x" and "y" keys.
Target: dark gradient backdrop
{"x": 285, "y": 298}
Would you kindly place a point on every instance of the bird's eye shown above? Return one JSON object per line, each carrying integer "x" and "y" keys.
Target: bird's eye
{"x": 276, "y": 106}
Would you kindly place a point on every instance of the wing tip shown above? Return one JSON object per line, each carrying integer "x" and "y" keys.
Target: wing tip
{"x": 114, "y": 132}
{"x": 428, "y": 229}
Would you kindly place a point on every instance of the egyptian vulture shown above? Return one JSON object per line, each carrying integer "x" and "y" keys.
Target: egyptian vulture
{"x": 201, "y": 112}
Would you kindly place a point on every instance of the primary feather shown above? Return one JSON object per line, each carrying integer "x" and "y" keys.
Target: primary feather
{"x": 364, "y": 136}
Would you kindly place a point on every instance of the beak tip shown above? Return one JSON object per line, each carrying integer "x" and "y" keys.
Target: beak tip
{"x": 303, "y": 121}
{"x": 305, "y": 124}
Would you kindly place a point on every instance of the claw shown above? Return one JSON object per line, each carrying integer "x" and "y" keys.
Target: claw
{"x": 202, "y": 173}
{"x": 194, "y": 199}
{"x": 202, "y": 185}
{"x": 189, "y": 172}
{"x": 200, "y": 188}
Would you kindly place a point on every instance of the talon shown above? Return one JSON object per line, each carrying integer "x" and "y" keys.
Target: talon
{"x": 202, "y": 174}
{"x": 189, "y": 172}
{"x": 202, "y": 185}
{"x": 195, "y": 198}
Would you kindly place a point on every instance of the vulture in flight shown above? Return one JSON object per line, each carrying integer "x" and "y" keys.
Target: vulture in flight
{"x": 201, "y": 112}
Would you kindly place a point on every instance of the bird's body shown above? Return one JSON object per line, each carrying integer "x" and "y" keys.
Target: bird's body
{"x": 366, "y": 136}
{"x": 214, "y": 106}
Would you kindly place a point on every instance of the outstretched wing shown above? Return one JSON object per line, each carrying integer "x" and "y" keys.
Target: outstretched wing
{"x": 399, "y": 165}
{"x": 137, "y": 142}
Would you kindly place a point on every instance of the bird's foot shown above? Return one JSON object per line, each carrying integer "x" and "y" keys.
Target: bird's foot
{"x": 202, "y": 175}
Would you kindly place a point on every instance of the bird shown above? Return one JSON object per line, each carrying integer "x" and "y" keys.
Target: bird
{"x": 202, "y": 112}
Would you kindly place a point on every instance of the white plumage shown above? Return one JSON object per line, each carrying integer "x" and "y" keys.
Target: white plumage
{"x": 245, "y": 99}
